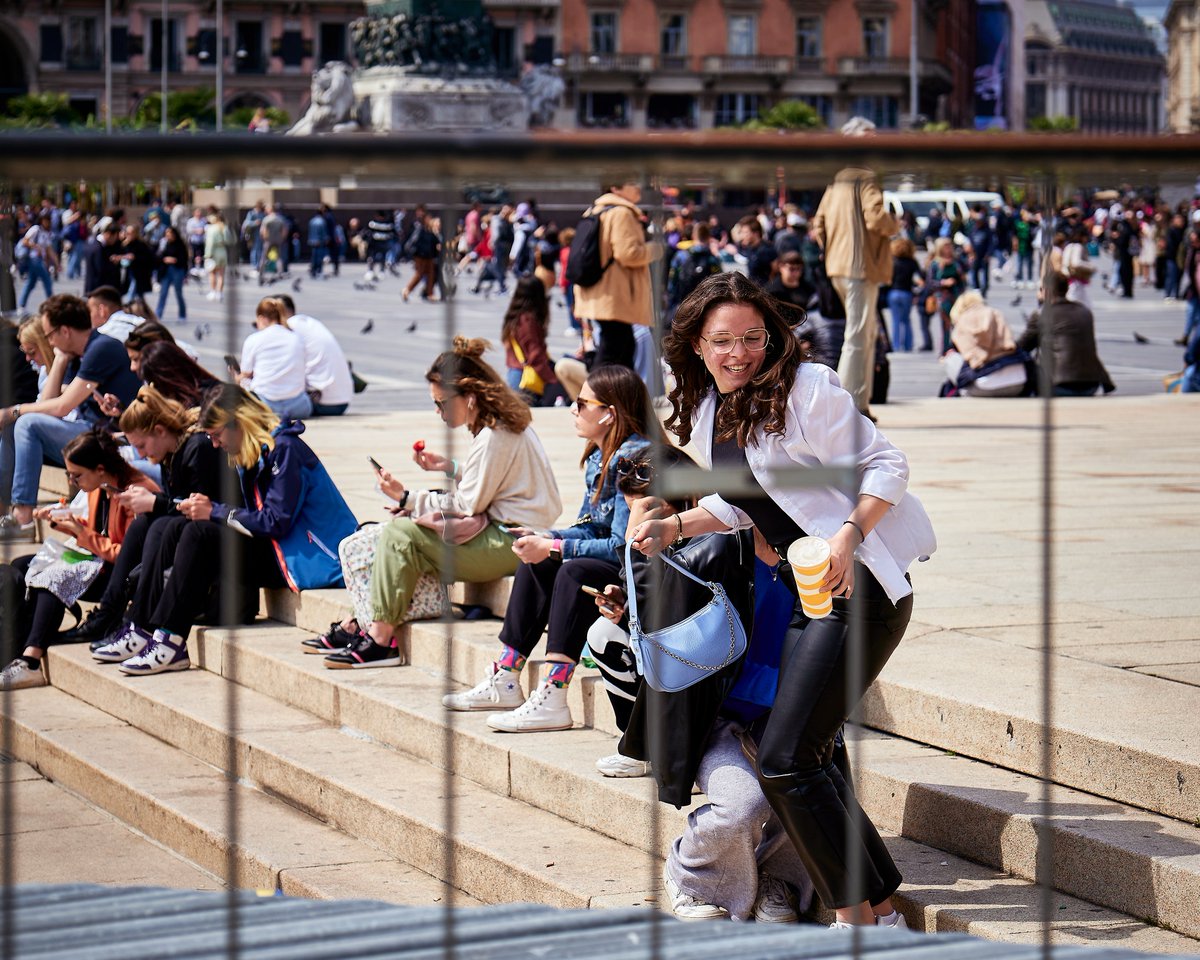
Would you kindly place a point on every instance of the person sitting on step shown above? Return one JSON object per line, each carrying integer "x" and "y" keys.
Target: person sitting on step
{"x": 504, "y": 480}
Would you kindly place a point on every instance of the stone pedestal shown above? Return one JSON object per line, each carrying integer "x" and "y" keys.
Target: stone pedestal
{"x": 399, "y": 100}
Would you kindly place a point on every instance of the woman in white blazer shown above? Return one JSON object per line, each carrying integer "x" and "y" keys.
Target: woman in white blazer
{"x": 746, "y": 395}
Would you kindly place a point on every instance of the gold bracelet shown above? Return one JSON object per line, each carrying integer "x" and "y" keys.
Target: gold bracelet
{"x": 679, "y": 536}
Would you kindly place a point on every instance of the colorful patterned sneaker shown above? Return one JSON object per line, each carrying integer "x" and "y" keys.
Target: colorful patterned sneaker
{"x": 618, "y": 765}
{"x": 500, "y": 688}
{"x": 774, "y": 901}
{"x": 546, "y": 709}
{"x": 127, "y": 642}
{"x": 365, "y": 652}
{"x": 333, "y": 640}
{"x": 18, "y": 675}
{"x": 894, "y": 921}
{"x": 166, "y": 652}
{"x": 689, "y": 908}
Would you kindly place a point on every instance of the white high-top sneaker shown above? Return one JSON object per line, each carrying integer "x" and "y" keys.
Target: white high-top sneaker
{"x": 500, "y": 688}
{"x": 546, "y": 709}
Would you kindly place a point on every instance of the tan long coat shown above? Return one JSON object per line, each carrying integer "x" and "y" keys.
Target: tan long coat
{"x": 853, "y": 227}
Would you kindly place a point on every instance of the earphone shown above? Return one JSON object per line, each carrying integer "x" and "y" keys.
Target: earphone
{"x": 607, "y": 418}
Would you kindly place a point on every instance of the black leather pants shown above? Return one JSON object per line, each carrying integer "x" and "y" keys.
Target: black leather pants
{"x": 843, "y": 852}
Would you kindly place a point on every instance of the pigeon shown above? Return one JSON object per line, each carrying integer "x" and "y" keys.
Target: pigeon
{"x": 296, "y": 285}
{"x": 1139, "y": 338}
{"x": 199, "y": 333}
{"x": 1017, "y": 300}
{"x": 368, "y": 326}
{"x": 412, "y": 326}
{"x": 363, "y": 286}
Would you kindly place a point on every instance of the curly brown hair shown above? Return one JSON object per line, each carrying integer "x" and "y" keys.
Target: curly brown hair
{"x": 762, "y": 403}
{"x": 461, "y": 370}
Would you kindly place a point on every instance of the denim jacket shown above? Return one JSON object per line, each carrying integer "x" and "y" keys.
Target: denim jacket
{"x": 600, "y": 529}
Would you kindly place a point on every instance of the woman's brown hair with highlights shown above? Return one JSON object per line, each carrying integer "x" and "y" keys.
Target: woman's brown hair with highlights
{"x": 461, "y": 370}
{"x": 620, "y": 388}
{"x": 760, "y": 404}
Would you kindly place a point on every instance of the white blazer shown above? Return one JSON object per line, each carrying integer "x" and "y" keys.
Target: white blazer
{"x": 823, "y": 428}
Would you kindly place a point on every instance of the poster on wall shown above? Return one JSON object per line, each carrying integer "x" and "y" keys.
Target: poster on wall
{"x": 993, "y": 46}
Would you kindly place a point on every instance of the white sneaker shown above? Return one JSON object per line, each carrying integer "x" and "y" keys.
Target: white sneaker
{"x": 160, "y": 656}
{"x": 689, "y": 908}
{"x": 128, "y": 642}
{"x": 211, "y": 295}
{"x": 840, "y": 925}
{"x": 546, "y": 709}
{"x": 894, "y": 921}
{"x": 18, "y": 675}
{"x": 618, "y": 765}
{"x": 500, "y": 688}
{"x": 774, "y": 901}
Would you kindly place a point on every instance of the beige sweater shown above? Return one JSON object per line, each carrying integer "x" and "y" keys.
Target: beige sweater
{"x": 507, "y": 476}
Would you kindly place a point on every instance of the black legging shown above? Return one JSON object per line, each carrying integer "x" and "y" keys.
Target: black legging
{"x": 37, "y": 614}
{"x": 132, "y": 547}
{"x": 191, "y": 551}
{"x": 795, "y": 765}
{"x": 548, "y": 593}
{"x": 616, "y": 343}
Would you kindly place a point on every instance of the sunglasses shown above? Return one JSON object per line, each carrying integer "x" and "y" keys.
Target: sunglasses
{"x": 641, "y": 471}
{"x": 579, "y": 404}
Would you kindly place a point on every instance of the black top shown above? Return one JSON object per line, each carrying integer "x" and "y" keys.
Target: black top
{"x": 798, "y": 296}
{"x": 777, "y": 528}
{"x": 903, "y": 271}
{"x": 196, "y": 467}
{"x": 20, "y": 383}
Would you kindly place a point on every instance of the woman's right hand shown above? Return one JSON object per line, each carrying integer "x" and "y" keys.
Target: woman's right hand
{"x": 653, "y": 536}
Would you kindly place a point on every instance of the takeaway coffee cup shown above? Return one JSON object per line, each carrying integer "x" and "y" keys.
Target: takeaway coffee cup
{"x": 809, "y": 560}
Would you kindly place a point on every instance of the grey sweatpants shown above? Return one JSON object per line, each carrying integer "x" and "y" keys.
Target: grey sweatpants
{"x": 733, "y": 836}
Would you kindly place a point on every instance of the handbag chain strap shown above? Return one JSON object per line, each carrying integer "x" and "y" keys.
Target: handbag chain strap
{"x": 717, "y": 590}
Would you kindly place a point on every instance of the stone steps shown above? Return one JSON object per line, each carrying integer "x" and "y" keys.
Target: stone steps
{"x": 962, "y": 705}
{"x": 182, "y": 803}
{"x": 1120, "y": 858}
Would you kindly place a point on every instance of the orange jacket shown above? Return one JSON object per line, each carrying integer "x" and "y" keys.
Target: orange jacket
{"x": 106, "y": 547}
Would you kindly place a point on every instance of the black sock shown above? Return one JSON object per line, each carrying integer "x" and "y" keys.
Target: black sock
{"x": 34, "y": 663}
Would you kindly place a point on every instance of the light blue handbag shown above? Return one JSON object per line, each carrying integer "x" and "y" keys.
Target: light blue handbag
{"x": 676, "y": 657}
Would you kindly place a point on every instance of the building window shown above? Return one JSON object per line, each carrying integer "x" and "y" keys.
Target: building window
{"x": 884, "y": 112}
{"x": 248, "y": 52}
{"x": 291, "y": 48}
{"x": 602, "y": 109}
{"x": 120, "y": 45}
{"x": 504, "y": 47}
{"x": 83, "y": 43}
{"x": 673, "y": 35}
{"x": 604, "y": 32}
{"x": 156, "y": 45}
{"x": 735, "y": 108}
{"x": 204, "y": 48}
{"x": 875, "y": 37}
{"x": 808, "y": 37}
{"x": 742, "y": 35}
{"x": 671, "y": 111}
{"x": 332, "y": 39}
{"x": 51, "y": 36}
{"x": 823, "y": 105}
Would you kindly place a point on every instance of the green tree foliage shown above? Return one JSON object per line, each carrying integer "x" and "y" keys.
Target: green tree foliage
{"x": 1054, "y": 124}
{"x": 40, "y": 111}
{"x": 186, "y": 109}
{"x": 239, "y": 119}
{"x": 787, "y": 115}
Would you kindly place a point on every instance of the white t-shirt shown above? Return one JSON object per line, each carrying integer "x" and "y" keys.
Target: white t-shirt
{"x": 119, "y": 325}
{"x": 325, "y": 364}
{"x": 275, "y": 356}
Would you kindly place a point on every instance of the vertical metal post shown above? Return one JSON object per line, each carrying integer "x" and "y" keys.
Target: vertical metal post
{"x": 220, "y": 65}
{"x": 108, "y": 88}
{"x": 162, "y": 57}
{"x": 913, "y": 63}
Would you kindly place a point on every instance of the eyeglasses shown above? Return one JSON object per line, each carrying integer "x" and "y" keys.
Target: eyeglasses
{"x": 754, "y": 340}
{"x": 641, "y": 471}
{"x": 580, "y": 403}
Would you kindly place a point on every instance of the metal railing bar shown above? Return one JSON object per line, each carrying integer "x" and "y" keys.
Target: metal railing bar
{"x": 683, "y": 481}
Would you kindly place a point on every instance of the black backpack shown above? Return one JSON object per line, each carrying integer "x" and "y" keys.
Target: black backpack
{"x": 701, "y": 265}
{"x": 584, "y": 266}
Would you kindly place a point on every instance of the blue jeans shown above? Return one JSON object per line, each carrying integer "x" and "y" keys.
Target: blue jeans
{"x": 38, "y": 273}
{"x": 38, "y": 435}
{"x": 256, "y": 251}
{"x": 318, "y": 261}
{"x": 1171, "y": 288}
{"x": 1193, "y": 317}
{"x": 172, "y": 277}
{"x": 900, "y": 306}
{"x": 1025, "y": 266}
{"x": 295, "y": 408}
{"x": 1191, "y": 379}
{"x": 75, "y": 261}
{"x": 981, "y": 275}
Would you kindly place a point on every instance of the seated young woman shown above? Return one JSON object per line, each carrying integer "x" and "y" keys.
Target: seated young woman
{"x": 289, "y": 514}
{"x": 504, "y": 480}
{"x": 94, "y": 463}
{"x": 165, "y": 433}
{"x": 613, "y": 415}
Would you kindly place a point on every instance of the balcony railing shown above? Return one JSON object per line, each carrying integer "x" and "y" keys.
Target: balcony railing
{"x": 890, "y": 67}
{"x": 808, "y": 66}
{"x": 610, "y": 63}
{"x": 674, "y": 63}
{"x": 754, "y": 65}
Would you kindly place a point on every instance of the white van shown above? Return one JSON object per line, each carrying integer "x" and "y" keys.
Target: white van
{"x": 953, "y": 203}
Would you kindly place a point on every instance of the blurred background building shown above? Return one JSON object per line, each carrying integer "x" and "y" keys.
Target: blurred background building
{"x": 1182, "y": 22}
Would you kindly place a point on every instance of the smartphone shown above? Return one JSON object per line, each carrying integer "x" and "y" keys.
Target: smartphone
{"x": 110, "y": 488}
{"x": 375, "y": 464}
{"x": 593, "y": 592}
{"x": 233, "y": 363}
{"x": 177, "y": 500}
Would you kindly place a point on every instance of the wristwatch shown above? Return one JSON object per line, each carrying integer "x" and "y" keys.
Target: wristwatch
{"x": 556, "y": 550}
